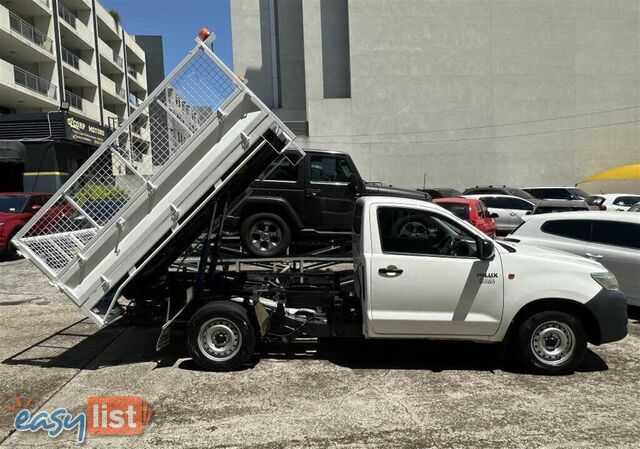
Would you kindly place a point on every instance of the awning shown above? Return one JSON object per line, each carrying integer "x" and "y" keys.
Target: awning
{"x": 623, "y": 172}
{"x": 12, "y": 151}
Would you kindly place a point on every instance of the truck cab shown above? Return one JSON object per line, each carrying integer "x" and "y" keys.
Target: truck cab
{"x": 311, "y": 201}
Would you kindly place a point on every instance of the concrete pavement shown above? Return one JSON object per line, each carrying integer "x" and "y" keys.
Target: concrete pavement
{"x": 440, "y": 395}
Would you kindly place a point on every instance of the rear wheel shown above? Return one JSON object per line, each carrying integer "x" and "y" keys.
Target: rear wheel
{"x": 551, "y": 343}
{"x": 220, "y": 336}
{"x": 265, "y": 235}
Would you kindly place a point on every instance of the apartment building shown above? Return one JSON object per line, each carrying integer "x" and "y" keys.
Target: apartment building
{"x": 71, "y": 56}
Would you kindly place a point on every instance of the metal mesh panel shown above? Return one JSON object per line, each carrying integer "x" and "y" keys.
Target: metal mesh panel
{"x": 105, "y": 187}
{"x": 158, "y": 129}
{"x": 176, "y": 113}
{"x": 59, "y": 235}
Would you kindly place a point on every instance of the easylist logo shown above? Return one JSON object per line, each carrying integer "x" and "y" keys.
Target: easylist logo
{"x": 105, "y": 415}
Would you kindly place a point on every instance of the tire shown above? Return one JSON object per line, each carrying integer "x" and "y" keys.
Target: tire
{"x": 265, "y": 235}
{"x": 412, "y": 226}
{"x": 220, "y": 336}
{"x": 11, "y": 252}
{"x": 566, "y": 343}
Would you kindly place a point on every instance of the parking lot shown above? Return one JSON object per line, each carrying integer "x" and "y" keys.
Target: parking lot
{"x": 390, "y": 395}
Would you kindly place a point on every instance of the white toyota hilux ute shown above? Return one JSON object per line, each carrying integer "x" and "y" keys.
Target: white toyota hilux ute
{"x": 423, "y": 273}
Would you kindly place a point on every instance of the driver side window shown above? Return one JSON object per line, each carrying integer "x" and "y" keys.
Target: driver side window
{"x": 330, "y": 169}
{"x": 414, "y": 231}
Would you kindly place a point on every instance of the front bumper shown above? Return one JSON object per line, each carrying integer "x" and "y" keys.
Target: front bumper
{"x": 610, "y": 311}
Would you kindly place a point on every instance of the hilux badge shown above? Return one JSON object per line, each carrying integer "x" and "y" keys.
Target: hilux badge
{"x": 487, "y": 278}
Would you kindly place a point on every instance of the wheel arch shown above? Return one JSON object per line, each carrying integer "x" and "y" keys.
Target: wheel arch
{"x": 271, "y": 205}
{"x": 570, "y": 306}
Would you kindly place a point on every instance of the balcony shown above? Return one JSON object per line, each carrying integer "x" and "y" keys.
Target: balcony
{"x": 132, "y": 71}
{"x": 135, "y": 53}
{"x": 107, "y": 25}
{"x": 139, "y": 83}
{"x": 67, "y": 16}
{"x": 74, "y": 100}
{"x": 86, "y": 107}
{"x": 27, "y": 31}
{"x": 70, "y": 58}
{"x": 114, "y": 94}
{"x": 44, "y": 2}
{"x": 34, "y": 83}
{"x": 112, "y": 120}
{"x": 112, "y": 61}
{"x": 81, "y": 73}
{"x": 134, "y": 100}
{"x": 73, "y": 31}
{"x": 23, "y": 91}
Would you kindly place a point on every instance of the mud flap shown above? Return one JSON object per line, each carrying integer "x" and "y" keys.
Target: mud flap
{"x": 263, "y": 317}
{"x": 165, "y": 334}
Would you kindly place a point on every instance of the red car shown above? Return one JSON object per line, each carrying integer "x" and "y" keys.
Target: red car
{"x": 15, "y": 210}
{"x": 472, "y": 210}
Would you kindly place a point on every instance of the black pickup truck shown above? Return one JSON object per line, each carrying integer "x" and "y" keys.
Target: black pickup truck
{"x": 312, "y": 201}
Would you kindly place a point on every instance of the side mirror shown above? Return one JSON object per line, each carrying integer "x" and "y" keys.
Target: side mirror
{"x": 494, "y": 215}
{"x": 36, "y": 208}
{"x": 485, "y": 249}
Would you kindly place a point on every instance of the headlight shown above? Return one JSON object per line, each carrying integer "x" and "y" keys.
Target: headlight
{"x": 607, "y": 280}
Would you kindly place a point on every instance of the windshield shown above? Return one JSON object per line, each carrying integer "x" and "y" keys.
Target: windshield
{"x": 579, "y": 193}
{"x": 460, "y": 210}
{"x": 12, "y": 203}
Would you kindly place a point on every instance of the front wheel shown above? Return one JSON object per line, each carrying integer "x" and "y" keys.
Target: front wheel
{"x": 551, "y": 343}
{"x": 220, "y": 336}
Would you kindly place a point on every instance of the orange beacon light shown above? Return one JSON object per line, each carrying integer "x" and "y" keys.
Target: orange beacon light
{"x": 203, "y": 34}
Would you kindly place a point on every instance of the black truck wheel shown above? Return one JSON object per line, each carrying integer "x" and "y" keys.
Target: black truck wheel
{"x": 265, "y": 235}
{"x": 551, "y": 343}
{"x": 220, "y": 336}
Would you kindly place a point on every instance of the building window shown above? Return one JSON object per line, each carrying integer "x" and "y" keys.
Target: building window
{"x": 336, "y": 65}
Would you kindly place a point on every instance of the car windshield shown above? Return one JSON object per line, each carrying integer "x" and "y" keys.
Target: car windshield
{"x": 12, "y": 203}
{"x": 579, "y": 193}
{"x": 521, "y": 194}
{"x": 460, "y": 210}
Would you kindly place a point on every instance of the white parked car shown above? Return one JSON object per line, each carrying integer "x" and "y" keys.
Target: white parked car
{"x": 611, "y": 239}
{"x": 508, "y": 211}
{"x": 614, "y": 201}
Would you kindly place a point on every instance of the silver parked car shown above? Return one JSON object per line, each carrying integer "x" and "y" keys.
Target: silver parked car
{"x": 508, "y": 211}
{"x": 611, "y": 239}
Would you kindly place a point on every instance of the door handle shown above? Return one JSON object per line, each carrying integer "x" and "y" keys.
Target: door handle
{"x": 390, "y": 271}
{"x": 594, "y": 256}
{"x": 313, "y": 192}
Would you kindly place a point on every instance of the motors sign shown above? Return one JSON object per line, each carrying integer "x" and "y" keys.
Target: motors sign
{"x": 80, "y": 130}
